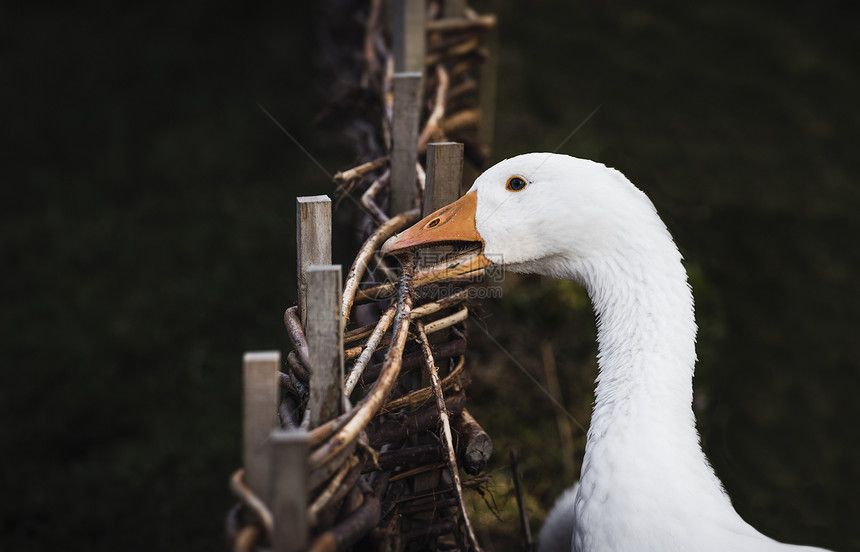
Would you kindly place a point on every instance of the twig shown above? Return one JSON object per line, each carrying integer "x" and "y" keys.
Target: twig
{"x": 432, "y": 327}
{"x": 521, "y": 505}
{"x": 447, "y": 440}
{"x": 369, "y": 349}
{"x": 368, "y": 198}
{"x": 372, "y": 243}
{"x": 400, "y": 426}
{"x": 417, "y": 312}
{"x": 460, "y": 120}
{"x": 330, "y": 493}
{"x": 297, "y": 335}
{"x": 424, "y": 394}
{"x": 482, "y": 22}
{"x": 252, "y": 501}
{"x": 477, "y": 445}
{"x": 448, "y": 349}
{"x": 356, "y": 525}
{"x": 347, "y": 175}
{"x": 438, "y": 112}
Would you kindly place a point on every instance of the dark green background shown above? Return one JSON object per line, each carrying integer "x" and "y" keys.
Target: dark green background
{"x": 147, "y": 242}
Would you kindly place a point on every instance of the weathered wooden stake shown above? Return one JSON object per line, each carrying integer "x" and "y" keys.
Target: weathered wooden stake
{"x": 289, "y": 489}
{"x": 404, "y": 154}
{"x": 260, "y": 405}
{"x": 324, "y": 332}
{"x": 409, "y": 35}
{"x": 444, "y": 175}
{"x": 313, "y": 235}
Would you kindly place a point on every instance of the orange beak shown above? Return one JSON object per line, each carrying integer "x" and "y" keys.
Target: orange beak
{"x": 454, "y": 223}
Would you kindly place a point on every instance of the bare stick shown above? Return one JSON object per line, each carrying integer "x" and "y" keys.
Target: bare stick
{"x": 356, "y": 271}
{"x": 356, "y": 525}
{"x": 313, "y": 235}
{"x": 296, "y": 333}
{"x": 460, "y": 120}
{"x": 368, "y": 198}
{"x": 475, "y": 443}
{"x": 251, "y": 500}
{"x": 482, "y": 22}
{"x": 369, "y": 33}
{"x": 447, "y": 439}
{"x": 421, "y": 396}
{"x": 432, "y": 124}
{"x": 521, "y": 505}
{"x": 330, "y": 490}
{"x": 325, "y": 343}
{"x": 289, "y": 490}
{"x": 402, "y": 425}
{"x": 407, "y": 110}
{"x": 457, "y": 49}
{"x": 369, "y": 349}
{"x": 361, "y": 170}
{"x": 352, "y": 336}
{"x": 448, "y": 349}
{"x": 432, "y": 327}
{"x": 260, "y": 405}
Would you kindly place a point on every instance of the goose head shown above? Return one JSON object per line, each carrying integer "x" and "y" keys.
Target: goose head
{"x": 541, "y": 213}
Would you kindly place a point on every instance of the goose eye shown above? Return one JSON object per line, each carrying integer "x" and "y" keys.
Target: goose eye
{"x": 515, "y": 184}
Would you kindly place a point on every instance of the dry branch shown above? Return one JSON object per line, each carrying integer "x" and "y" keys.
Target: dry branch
{"x": 481, "y": 22}
{"x": 397, "y": 427}
{"x": 476, "y": 444}
{"x": 361, "y": 170}
{"x": 435, "y": 118}
{"x": 447, "y": 439}
{"x": 251, "y": 501}
{"x": 356, "y": 271}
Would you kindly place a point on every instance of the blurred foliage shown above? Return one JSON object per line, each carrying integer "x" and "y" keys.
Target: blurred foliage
{"x": 147, "y": 242}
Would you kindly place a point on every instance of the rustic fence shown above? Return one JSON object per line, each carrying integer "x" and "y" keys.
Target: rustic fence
{"x": 371, "y": 459}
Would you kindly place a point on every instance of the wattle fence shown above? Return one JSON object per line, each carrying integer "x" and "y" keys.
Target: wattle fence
{"x": 360, "y": 438}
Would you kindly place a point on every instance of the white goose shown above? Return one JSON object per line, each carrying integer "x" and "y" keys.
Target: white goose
{"x": 645, "y": 483}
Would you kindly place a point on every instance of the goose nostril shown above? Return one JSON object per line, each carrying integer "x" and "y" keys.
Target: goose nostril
{"x": 433, "y": 223}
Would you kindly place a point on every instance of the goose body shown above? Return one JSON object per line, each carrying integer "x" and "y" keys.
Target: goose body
{"x": 645, "y": 483}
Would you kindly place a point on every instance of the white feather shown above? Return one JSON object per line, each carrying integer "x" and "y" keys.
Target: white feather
{"x": 645, "y": 483}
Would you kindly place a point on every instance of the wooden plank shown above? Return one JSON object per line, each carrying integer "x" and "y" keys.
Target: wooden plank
{"x": 260, "y": 407}
{"x": 410, "y": 35}
{"x": 444, "y": 175}
{"x": 289, "y": 489}
{"x": 313, "y": 235}
{"x": 404, "y": 154}
{"x": 324, "y": 332}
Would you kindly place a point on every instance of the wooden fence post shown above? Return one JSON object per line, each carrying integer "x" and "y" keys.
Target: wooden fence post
{"x": 409, "y": 35}
{"x": 260, "y": 407}
{"x": 444, "y": 175}
{"x": 313, "y": 235}
{"x": 324, "y": 332}
{"x": 404, "y": 147}
{"x": 289, "y": 489}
